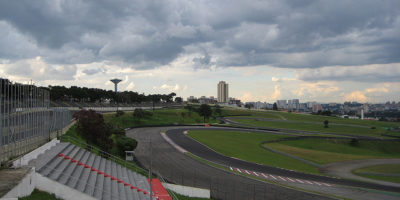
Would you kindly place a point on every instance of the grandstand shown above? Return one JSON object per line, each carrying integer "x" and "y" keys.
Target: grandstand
{"x": 88, "y": 173}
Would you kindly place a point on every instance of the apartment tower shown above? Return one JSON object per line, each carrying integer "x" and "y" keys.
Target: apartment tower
{"x": 223, "y": 92}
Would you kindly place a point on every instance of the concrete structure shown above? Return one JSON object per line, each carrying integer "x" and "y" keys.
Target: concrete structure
{"x": 74, "y": 173}
{"x": 24, "y": 160}
{"x": 281, "y": 104}
{"x": 188, "y": 191}
{"x": 24, "y": 188}
{"x": 316, "y": 107}
{"x": 116, "y": 81}
{"x": 223, "y": 93}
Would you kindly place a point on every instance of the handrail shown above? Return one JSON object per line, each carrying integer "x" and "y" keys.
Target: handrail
{"x": 101, "y": 152}
{"x": 137, "y": 168}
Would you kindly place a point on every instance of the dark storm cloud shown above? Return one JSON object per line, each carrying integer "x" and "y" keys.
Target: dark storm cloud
{"x": 290, "y": 34}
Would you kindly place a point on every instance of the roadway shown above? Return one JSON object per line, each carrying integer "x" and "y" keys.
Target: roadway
{"x": 204, "y": 152}
{"x": 179, "y": 168}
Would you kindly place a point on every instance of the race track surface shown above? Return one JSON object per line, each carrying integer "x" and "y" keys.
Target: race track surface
{"x": 179, "y": 168}
{"x": 204, "y": 152}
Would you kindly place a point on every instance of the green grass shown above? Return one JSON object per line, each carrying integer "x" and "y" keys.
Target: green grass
{"x": 39, "y": 195}
{"x": 325, "y": 151}
{"x": 297, "y": 118}
{"x": 159, "y": 117}
{"x": 383, "y": 169}
{"x": 381, "y": 178}
{"x": 246, "y": 146}
{"x": 314, "y": 127}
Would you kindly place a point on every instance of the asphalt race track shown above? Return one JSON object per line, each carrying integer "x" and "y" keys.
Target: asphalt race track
{"x": 179, "y": 168}
{"x": 204, "y": 152}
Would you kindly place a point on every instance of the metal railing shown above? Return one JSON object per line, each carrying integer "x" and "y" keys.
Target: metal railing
{"x": 113, "y": 158}
{"x": 26, "y": 119}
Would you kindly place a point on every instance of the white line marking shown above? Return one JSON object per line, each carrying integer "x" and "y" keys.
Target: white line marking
{"x": 238, "y": 170}
{"x": 282, "y": 178}
{"x": 326, "y": 184}
{"x": 290, "y": 179}
{"x": 309, "y": 182}
{"x": 273, "y": 177}
{"x": 316, "y": 183}
{"x": 231, "y": 168}
{"x": 247, "y": 172}
{"x": 173, "y": 143}
{"x": 264, "y": 175}
{"x": 256, "y": 173}
{"x": 299, "y": 181}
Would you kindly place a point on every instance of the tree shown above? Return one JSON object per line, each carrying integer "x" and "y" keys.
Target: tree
{"x": 218, "y": 110}
{"x": 326, "y": 122}
{"x": 190, "y": 109}
{"x": 91, "y": 126}
{"x": 205, "y": 111}
{"x": 178, "y": 100}
{"x": 275, "y": 107}
{"x": 249, "y": 105}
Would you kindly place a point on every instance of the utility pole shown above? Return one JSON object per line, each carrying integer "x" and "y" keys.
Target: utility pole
{"x": 150, "y": 174}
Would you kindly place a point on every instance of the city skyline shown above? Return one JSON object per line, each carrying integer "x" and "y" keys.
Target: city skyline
{"x": 309, "y": 50}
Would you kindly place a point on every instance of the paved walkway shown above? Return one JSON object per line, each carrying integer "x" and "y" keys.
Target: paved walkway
{"x": 343, "y": 169}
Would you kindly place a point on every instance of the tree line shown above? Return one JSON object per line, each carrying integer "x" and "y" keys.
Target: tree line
{"x": 84, "y": 94}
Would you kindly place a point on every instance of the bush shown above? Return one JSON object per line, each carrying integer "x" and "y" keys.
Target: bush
{"x": 373, "y": 127}
{"x": 140, "y": 113}
{"x": 125, "y": 144}
{"x": 119, "y": 113}
{"x": 353, "y": 142}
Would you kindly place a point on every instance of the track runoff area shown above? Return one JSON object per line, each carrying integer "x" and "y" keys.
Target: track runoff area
{"x": 177, "y": 138}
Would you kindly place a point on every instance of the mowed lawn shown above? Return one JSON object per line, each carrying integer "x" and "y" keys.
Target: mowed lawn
{"x": 159, "y": 117}
{"x": 295, "y": 120}
{"x": 325, "y": 151}
{"x": 246, "y": 146}
{"x": 333, "y": 128}
{"x": 374, "y": 171}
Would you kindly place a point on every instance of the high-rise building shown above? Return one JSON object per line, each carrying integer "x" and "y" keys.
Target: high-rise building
{"x": 282, "y": 104}
{"x": 223, "y": 94}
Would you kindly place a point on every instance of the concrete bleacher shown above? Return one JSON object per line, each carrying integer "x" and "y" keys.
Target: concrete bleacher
{"x": 88, "y": 173}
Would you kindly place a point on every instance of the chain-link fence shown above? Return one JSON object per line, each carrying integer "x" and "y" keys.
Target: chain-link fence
{"x": 26, "y": 120}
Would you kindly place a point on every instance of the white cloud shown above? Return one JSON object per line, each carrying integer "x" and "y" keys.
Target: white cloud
{"x": 276, "y": 94}
{"x": 130, "y": 87}
{"x": 356, "y": 96}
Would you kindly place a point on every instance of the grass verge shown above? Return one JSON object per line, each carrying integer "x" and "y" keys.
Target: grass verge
{"x": 378, "y": 172}
{"x": 325, "y": 151}
{"x": 246, "y": 146}
{"x": 39, "y": 195}
{"x": 314, "y": 127}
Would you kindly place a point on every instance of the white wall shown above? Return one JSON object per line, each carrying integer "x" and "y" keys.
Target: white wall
{"x": 24, "y": 188}
{"x": 188, "y": 191}
{"x": 60, "y": 190}
{"x": 24, "y": 160}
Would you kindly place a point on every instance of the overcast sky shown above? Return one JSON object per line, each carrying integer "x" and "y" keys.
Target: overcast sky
{"x": 327, "y": 51}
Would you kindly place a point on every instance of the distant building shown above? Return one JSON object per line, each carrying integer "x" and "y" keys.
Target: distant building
{"x": 223, "y": 95}
{"x": 281, "y": 104}
{"x": 316, "y": 107}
